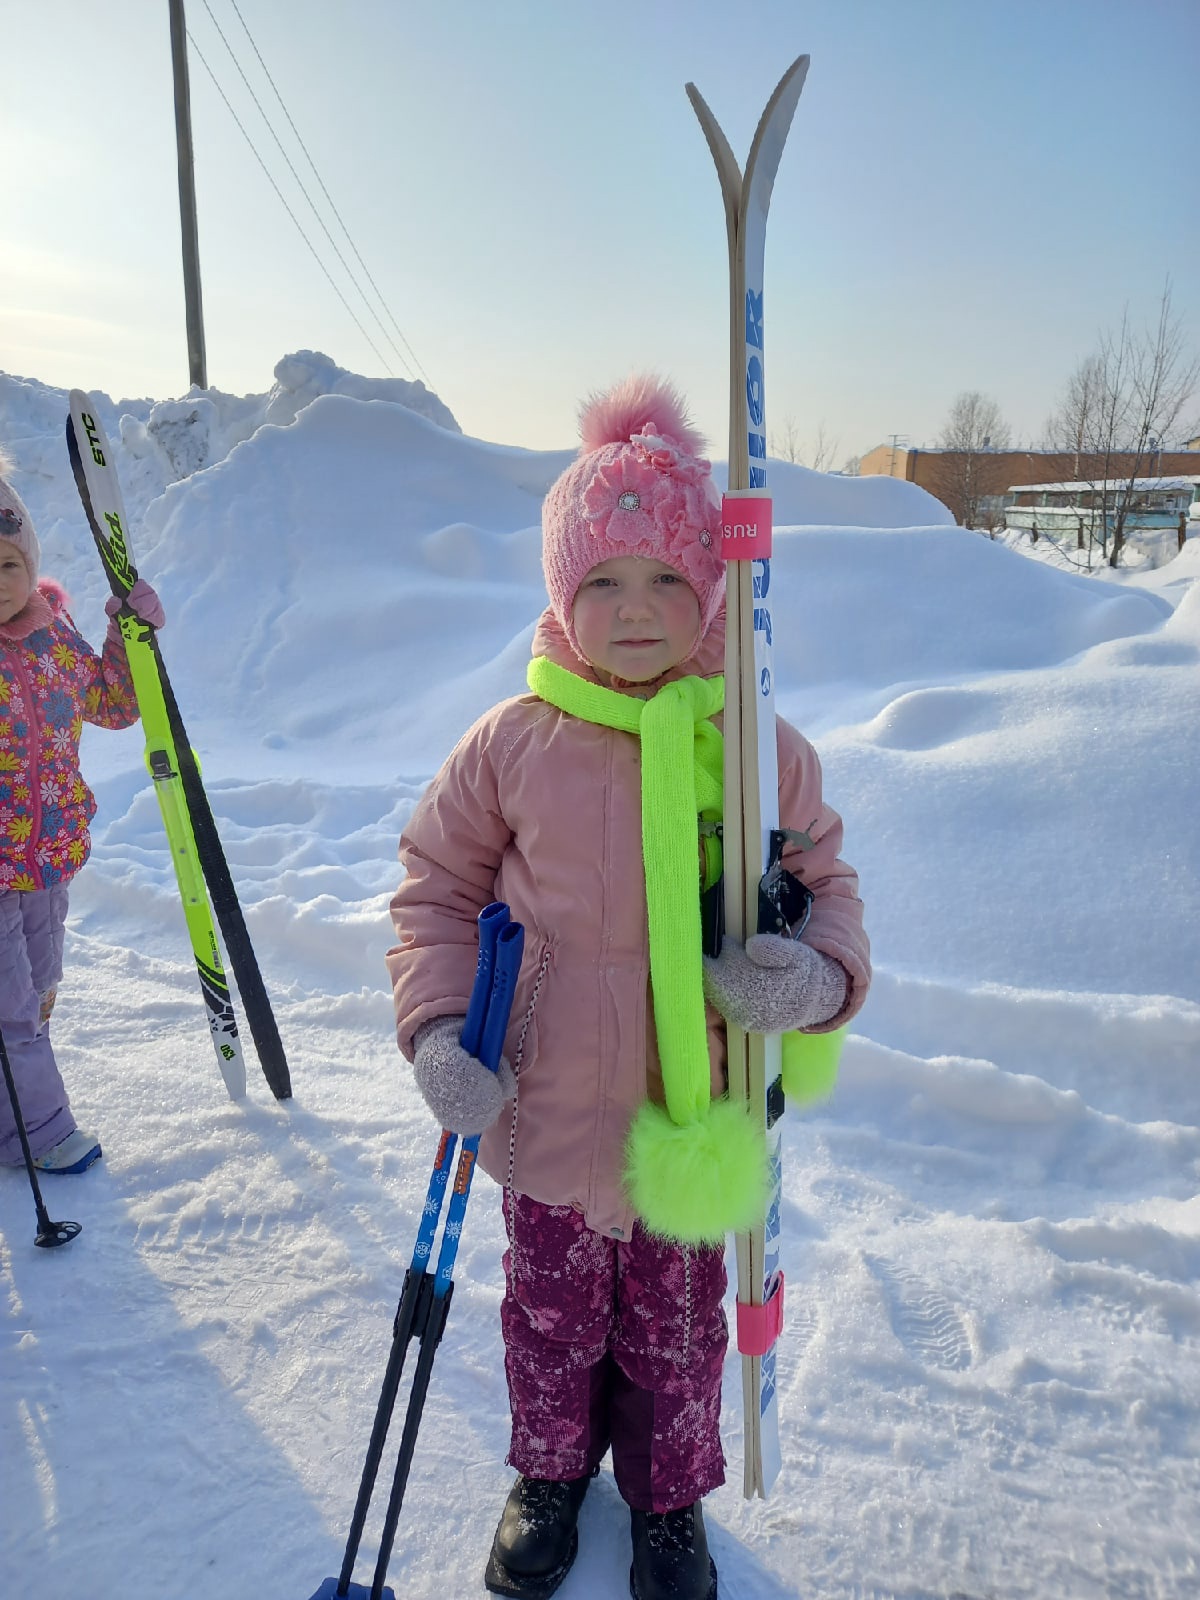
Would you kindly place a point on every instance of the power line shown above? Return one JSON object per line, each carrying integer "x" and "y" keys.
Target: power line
{"x": 300, "y": 181}
{"x": 328, "y": 196}
{"x": 284, "y": 203}
{"x": 349, "y": 271}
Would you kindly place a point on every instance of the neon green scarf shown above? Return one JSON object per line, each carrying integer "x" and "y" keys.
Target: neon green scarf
{"x": 677, "y": 740}
{"x": 696, "y": 1171}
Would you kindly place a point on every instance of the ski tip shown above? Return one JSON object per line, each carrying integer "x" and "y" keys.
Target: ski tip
{"x": 798, "y": 69}
{"x": 799, "y": 66}
{"x": 789, "y": 86}
{"x": 78, "y": 403}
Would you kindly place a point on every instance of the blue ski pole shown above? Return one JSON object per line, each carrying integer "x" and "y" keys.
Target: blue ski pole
{"x": 425, "y": 1297}
{"x": 510, "y": 943}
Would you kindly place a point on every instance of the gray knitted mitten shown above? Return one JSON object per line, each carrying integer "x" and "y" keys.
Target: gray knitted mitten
{"x": 774, "y": 985}
{"x": 460, "y": 1091}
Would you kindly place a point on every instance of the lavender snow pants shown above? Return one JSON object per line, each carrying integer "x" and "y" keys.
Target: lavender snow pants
{"x": 613, "y": 1343}
{"x": 31, "y": 943}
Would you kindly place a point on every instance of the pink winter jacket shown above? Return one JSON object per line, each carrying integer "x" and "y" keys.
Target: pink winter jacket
{"x": 542, "y": 810}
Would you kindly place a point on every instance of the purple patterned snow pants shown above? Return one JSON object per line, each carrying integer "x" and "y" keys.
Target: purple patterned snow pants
{"x": 612, "y": 1343}
{"x": 31, "y": 943}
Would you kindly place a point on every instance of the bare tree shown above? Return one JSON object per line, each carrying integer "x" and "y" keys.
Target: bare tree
{"x": 851, "y": 467}
{"x": 1072, "y": 428}
{"x": 785, "y": 446}
{"x": 1089, "y": 427}
{"x": 824, "y": 450}
{"x": 1163, "y": 374}
{"x": 1119, "y": 408}
{"x": 974, "y": 429}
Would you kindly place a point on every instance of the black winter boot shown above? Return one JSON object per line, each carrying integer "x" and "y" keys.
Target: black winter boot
{"x": 536, "y": 1541}
{"x": 670, "y": 1556}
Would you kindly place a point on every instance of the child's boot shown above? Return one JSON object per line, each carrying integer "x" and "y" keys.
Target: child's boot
{"x": 536, "y": 1541}
{"x": 73, "y": 1154}
{"x": 670, "y": 1556}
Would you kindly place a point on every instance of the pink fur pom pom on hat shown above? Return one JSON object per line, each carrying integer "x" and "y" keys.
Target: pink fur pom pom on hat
{"x": 16, "y": 525}
{"x": 638, "y": 487}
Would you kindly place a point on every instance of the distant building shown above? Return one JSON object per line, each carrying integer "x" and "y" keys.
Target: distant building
{"x": 1084, "y": 514}
{"x": 996, "y": 472}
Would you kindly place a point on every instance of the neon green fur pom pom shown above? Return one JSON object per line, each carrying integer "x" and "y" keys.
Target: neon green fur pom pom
{"x": 810, "y": 1065}
{"x": 696, "y": 1183}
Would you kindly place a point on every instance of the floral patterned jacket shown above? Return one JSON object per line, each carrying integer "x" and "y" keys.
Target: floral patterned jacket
{"x": 51, "y": 683}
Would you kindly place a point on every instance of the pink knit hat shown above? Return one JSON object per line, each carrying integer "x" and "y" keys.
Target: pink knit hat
{"x": 16, "y": 525}
{"x": 637, "y": 488}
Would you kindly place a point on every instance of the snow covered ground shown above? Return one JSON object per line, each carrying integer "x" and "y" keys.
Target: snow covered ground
{"x": 991, "y": 1368}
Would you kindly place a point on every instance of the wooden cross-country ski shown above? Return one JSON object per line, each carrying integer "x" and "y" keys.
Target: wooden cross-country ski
{"x": 751, "y": 765}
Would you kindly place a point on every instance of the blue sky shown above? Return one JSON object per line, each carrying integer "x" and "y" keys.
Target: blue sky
{"x": 970, "y": 194}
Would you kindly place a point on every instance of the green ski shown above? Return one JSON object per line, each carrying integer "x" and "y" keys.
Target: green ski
{"x": 96, "y": 478}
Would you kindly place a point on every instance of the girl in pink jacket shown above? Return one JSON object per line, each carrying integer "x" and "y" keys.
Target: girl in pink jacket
{"x": 51, "y": 682}
{"x": 588, "y": 806}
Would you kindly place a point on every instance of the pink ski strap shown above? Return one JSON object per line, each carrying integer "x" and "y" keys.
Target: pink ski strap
{"x": 745, "y": 525}
{"x": 758, "y": 1327}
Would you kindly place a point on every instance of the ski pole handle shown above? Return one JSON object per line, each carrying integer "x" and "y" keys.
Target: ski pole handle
{"x": 490, "y": 921}
{"x": 510, "y": 946}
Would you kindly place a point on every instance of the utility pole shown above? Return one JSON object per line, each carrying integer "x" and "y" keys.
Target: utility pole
{"x": 197, "y": 368}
